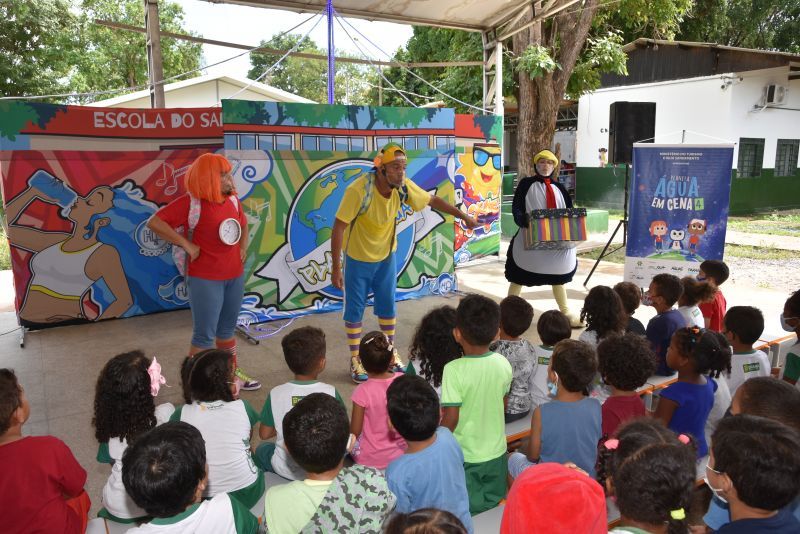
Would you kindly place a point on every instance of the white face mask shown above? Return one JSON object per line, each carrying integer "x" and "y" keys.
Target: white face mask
{"x": 716, "y": 491}
{"x": 785, "y": 325}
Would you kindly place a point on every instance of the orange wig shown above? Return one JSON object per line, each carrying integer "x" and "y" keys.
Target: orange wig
{"x": 204, "y": 177}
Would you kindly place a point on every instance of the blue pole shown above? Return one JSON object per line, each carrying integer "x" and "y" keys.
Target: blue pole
{"x": 331, "y": 53}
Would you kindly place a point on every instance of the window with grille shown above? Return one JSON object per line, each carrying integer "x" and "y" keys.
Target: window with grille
{"x": 786, "y": 157}
{"x": 751, "y": 157}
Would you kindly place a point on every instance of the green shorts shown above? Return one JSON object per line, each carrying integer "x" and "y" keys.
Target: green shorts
{"x": 487, "y": 484}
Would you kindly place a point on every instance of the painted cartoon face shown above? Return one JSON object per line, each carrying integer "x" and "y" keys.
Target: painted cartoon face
{"x": 99, "y": 200}
{"x": 677, "y": 235}
{"x": 697, "y": 227}
{"x": 483, "y": 170}
{"x": 658, "y": 228}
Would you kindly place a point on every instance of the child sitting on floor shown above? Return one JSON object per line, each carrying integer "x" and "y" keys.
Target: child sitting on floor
{"x": 650, "y": 474}
{"x": 431, "y": 472}
{"x": 473, "y": 389}
{"x": 330, "y": 499}
{"x": 716, "y": 272}
{"x": 165, "y": 473}
{"x": 124, "y": 409}
{"x": 631, "y": 296}
{"x": 603, "y": 314}
{"x": 427, "y": 521}
{"x": 516, "y": 316}
{"x": 626, "y": 362}
{"x": 743, "y": 326}
{"x": 226, "y": 423}
{"x": 754, "y": 467}
{"x": 790, "y": 322}
{"x": 694, "y": 293}
{"x": 699, "y": 356}
{"x": 552, "y": 327}
{"x": 377, "y": 444}
{"x": 433, "y": 346}
{"x": 664, "y": 291}
{"x": 41, "y": 486}
{"x": 568, "y": 428}
{"x": 304, "y": 352}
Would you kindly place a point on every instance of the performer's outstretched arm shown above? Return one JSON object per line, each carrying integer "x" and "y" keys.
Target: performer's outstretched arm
{"x": 439, "y": 204}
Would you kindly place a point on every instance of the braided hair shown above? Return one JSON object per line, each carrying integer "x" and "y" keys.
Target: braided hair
{"x": 206, "y": 376}
{"x": 709, "y": 351}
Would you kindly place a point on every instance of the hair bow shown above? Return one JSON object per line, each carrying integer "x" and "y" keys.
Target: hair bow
{"x": 156, "y": 379}
{"x": 678, "y": 515}
{"x": 683, "y": 438}
{"x": 611, "y": 444}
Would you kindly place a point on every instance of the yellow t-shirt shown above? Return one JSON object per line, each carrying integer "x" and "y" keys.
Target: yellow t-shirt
{"x": 370, "y": 237}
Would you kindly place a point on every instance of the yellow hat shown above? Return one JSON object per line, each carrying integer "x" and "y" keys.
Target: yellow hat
{"x": 389, "y": 153}
{"x": 545, "y": 154}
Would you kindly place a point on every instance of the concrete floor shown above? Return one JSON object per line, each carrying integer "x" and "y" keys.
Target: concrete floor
{"x": 58, "y": 367}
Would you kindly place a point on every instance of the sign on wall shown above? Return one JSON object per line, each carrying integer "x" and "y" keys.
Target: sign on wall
{"x": 678, "y": 209}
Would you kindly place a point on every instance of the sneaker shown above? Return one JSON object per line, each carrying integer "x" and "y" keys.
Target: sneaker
{"x": 248, "y": 382}
{"x": 397, "y": 363}
{"x": 357, "y": 372}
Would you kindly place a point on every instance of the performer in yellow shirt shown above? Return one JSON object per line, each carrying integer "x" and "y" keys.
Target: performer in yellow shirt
{"x": 369, "y": 208}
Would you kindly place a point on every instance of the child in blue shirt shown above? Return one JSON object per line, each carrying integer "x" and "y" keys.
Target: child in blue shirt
{"x": 430, "y": 474}
{"x": 663, "y": 293}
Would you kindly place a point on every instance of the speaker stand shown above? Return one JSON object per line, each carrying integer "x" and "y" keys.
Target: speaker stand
{"x": 621, "y": 224}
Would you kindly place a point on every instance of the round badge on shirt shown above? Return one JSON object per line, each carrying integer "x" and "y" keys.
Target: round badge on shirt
{"x": 230, "y": 231}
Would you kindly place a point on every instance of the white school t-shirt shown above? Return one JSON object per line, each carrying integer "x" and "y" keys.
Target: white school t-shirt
{"x": 114, "y": 497}
{"x": 280, "y": 400}
{"x": 226, "y": 428}
{"x": 746, "y": 365}
{"x": 538, "y": 384}
{"x": 722, "y": 401}
{"x": 219, "y": 515}
{"x": 693, "y": 315}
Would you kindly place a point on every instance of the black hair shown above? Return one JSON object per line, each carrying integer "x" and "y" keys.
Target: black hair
{"x": 516, "y": 315}
{"x": 316, "y": 432}
{"x": 10, "y": 398}
{"x": 413, "y": 407}
{"x": 746, "y": 322}
{"x": 303, "y": 348}
{"x": 716, "y": 269}
{"x": 793, "y": 303}
{"x": 425, "y": 521}
{"x": 669, "y": 287}
{"x": 772, "y": 398}
{"x": 206, "y": 376}
{"x": 123, "y": 405}
{"x": 433, "y": 345}
{"x": 695, "y": 291}
{"x": 603, "y": 312}
{"x": 630, "y": 294}
{"x": 760, "y": 457}
{"x": 709, "y": 351}
{"x": 478, "y": 319}
{"x": 375, "y": 352}
{"x": 552, "y": 327}
{"x": 626, "y": 361}
{"x": 652, "y": 473}
{"x": 162, "y": 470}
{"x": 575, "y": 363}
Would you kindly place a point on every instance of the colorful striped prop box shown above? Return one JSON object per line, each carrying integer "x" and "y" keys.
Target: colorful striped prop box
{"x": 555, "y": 228}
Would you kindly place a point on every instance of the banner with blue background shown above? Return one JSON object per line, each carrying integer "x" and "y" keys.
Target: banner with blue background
{"x": 678, "y": 209}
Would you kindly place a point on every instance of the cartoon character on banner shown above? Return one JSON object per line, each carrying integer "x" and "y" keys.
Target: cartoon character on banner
{"x": 696, "y": 228}
{"x": 676, "y": 236}
{"x": 479, "y": 175}
{"x": 658, "y": 229}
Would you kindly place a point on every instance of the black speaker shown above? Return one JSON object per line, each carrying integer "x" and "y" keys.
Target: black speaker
{"x": 629, "y": 122}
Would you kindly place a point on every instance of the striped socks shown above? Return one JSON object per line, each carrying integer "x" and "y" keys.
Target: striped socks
{"x": 387, "y": 325}
{"x": 229, "y": 345}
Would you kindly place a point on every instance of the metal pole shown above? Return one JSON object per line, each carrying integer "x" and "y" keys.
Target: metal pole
{"x": 498, "y": 80}
{"x": 331, "y": 54}
{"x": 155, "y": 68}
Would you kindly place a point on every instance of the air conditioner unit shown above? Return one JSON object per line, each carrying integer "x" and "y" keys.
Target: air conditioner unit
{"x": 774, "y": 94}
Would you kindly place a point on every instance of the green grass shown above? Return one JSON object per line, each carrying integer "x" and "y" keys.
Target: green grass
{"x": 615, "y": 257}
{"x": 5, "y": 255}
{"x": 736, "y": 251}
{"x": 778, "y": 223}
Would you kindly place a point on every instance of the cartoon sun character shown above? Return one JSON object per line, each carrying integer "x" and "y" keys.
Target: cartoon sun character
{"x": 658, "y": 229}
{"x": 677, "y": 239}
{"x": 482, "y": 172}
{"x": 697, "y": 227}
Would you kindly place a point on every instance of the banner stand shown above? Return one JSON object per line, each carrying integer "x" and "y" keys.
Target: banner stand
{"x": 622, "y": 223}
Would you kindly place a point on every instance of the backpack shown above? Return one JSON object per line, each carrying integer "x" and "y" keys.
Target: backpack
{"x": 178, "y": 254}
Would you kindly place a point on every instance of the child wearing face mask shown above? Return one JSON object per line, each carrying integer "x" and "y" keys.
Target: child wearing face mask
{"x": 568, "y": 428}
{"x": 790, "y": 321}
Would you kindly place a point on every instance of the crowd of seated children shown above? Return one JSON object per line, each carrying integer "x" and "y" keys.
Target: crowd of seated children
{"x": 694, "y": 293}
{"x": 553, "y": 326}
{"x": 304, "y": 352}
{"x": 433, "y": 346}
{"x": 603, "y": 314}
{"x": 790, "y": 322}
{"x": 716, "y": 272}
{"x": 516, "y": 316}
{"x": 662, "y": 294}
{"x": 631, "y": 297}
{"x": 743, "y": 325}
{"x": 568, "y": 428}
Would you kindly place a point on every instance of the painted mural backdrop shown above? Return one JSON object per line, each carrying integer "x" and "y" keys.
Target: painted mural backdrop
{"x": 678, "y": 209}
{"x": 291, "y": 197}
{"x": 478, "y": 179}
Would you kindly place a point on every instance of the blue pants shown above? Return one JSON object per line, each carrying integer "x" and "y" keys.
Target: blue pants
{"x": 215, "y": 307}
{"x": 361, "y": 278}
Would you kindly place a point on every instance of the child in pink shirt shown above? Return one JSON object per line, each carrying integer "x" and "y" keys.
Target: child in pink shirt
{"x": 378, "y": 444}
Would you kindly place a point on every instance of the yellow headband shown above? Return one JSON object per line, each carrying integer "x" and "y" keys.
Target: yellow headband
{"x": 389, "y": 153}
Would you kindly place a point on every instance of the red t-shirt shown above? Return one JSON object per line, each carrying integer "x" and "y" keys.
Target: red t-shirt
{"x": 617, "y": 410}
{"x": 217, "y": 261}
{"x": 715, "y": 311}
{"x": 36, "y": 473}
